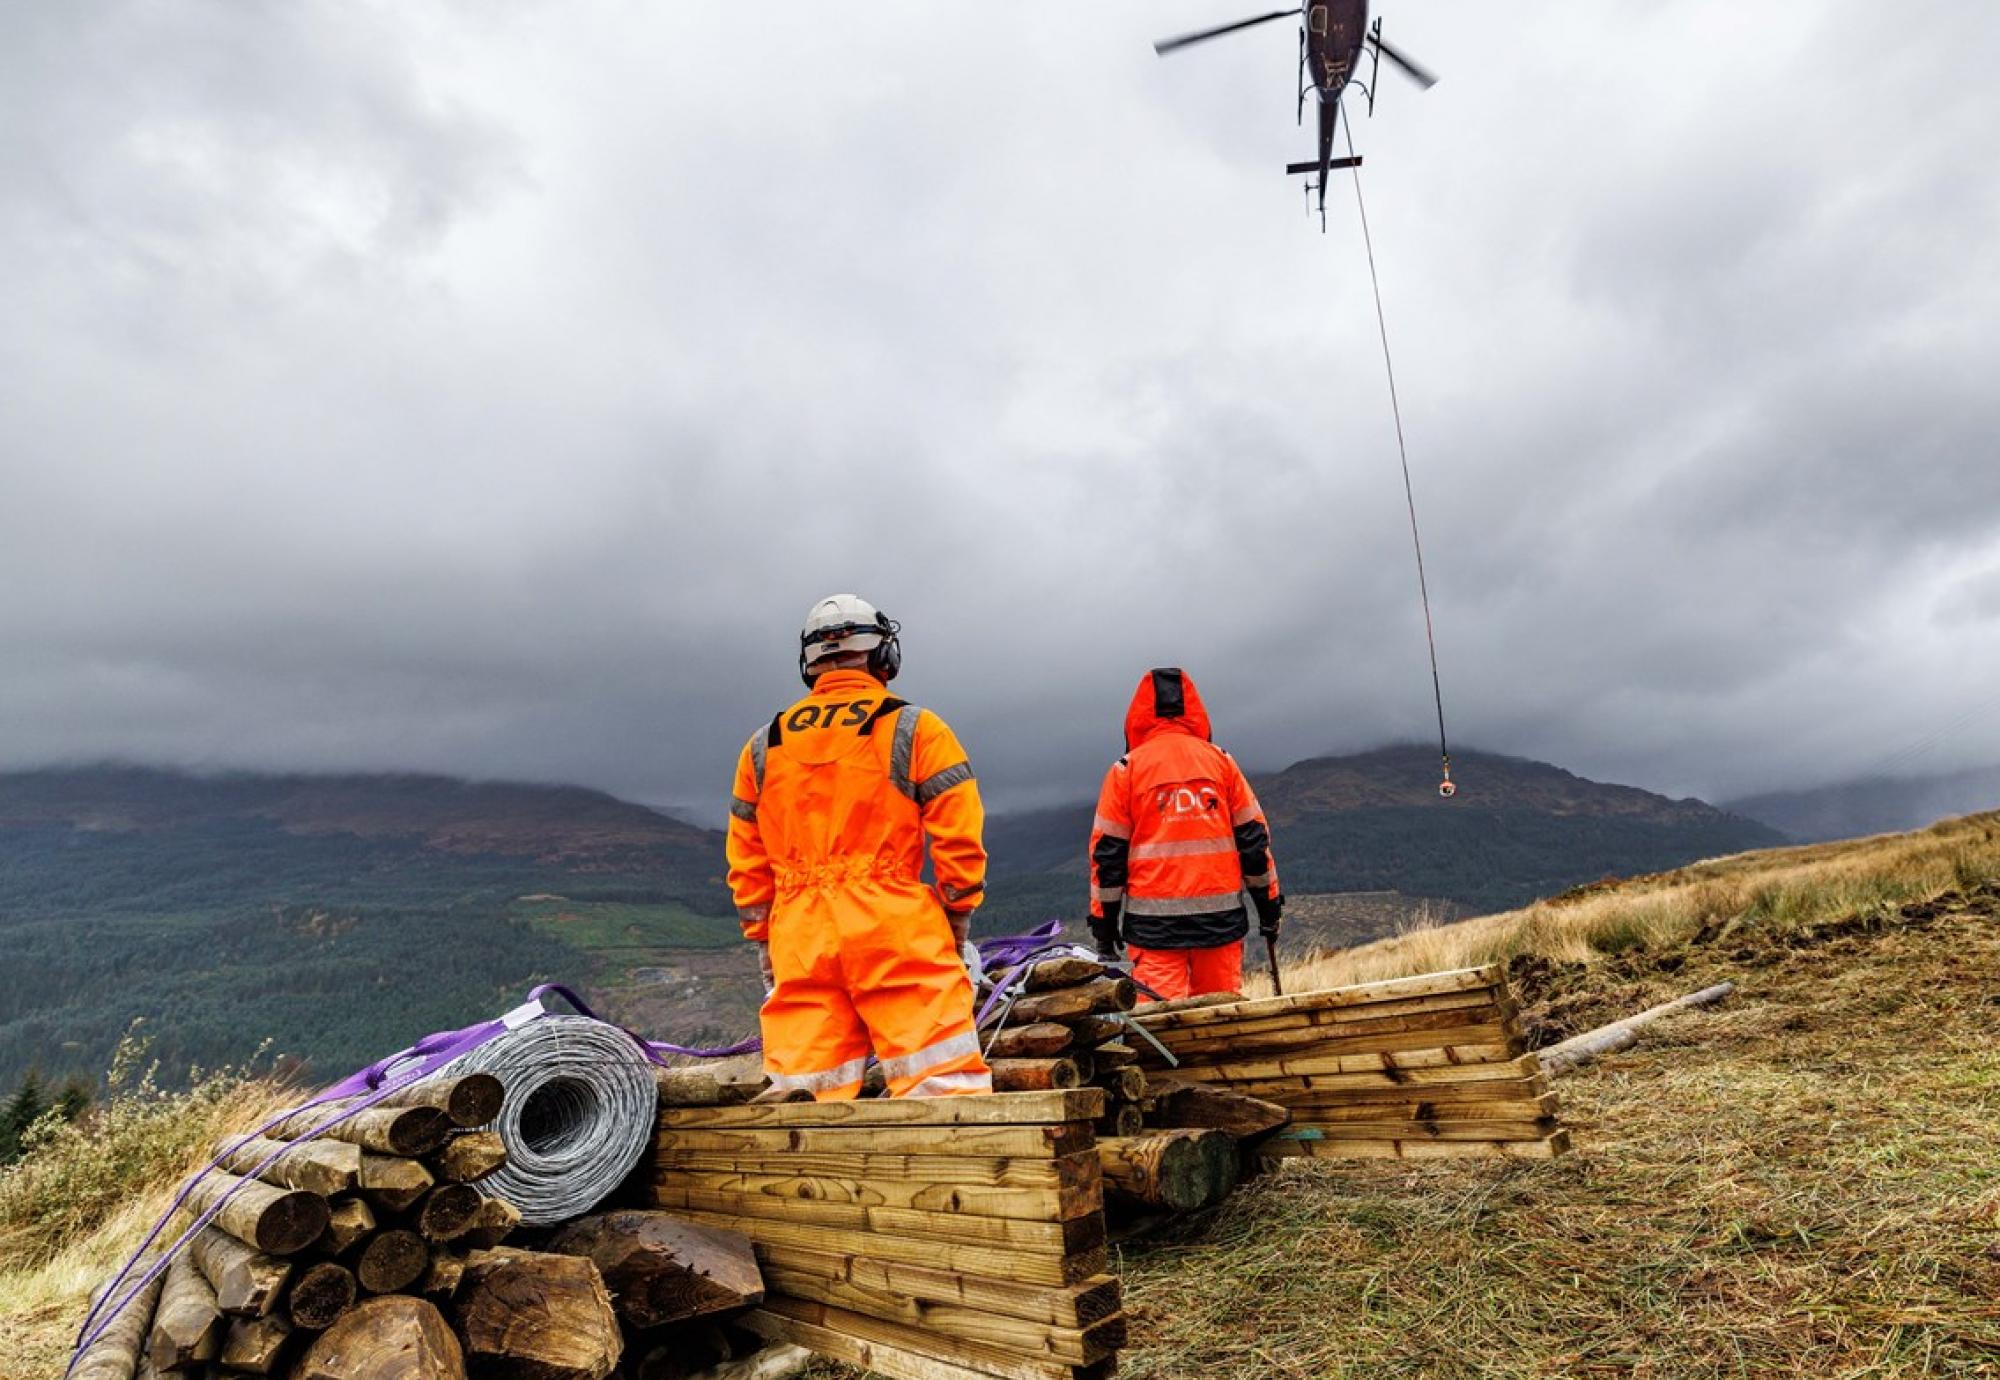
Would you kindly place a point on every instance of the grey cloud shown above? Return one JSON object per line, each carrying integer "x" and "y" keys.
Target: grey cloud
{"x": 490, "y": 390}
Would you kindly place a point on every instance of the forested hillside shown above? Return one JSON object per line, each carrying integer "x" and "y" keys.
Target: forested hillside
{"x": 339, "y": 917}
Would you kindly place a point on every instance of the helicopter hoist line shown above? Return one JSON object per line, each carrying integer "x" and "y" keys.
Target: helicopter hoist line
{"x": 1445, "y": 787}
{"x": 1334, "y": 35}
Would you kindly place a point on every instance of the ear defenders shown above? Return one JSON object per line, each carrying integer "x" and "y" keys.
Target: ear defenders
{"x": 885, "y": 658}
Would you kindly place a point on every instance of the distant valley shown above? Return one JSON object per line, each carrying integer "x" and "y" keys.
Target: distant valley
{"x": 337, "y": 917}
{"x": 1880, "y": 805}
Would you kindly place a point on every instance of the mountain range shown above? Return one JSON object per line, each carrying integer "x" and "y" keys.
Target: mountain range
{"x": 339, "y": 917}
{"x": 1878, "y": 805}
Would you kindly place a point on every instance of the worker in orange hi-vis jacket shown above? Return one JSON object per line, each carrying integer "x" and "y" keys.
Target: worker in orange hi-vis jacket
{"x": 835, "y": 799}
{"x": 1178, "y": 840}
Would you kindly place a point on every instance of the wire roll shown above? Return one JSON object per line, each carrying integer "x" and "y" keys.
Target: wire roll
{"x": 580, "y": 1110}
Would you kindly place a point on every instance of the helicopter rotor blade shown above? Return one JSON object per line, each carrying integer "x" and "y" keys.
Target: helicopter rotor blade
{"x": 1171, "y": 45}
{"x": 1415, "y": 71}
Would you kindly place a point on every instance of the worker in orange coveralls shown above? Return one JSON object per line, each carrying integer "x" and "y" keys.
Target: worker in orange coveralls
{"x": 834, "y": 801}
{"x": 1178, "y": 840}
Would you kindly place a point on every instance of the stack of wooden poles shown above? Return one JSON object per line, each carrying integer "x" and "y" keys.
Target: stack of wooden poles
{"x": 1063, "y": 1030}
{"x": 929, "y": 1238}
{"x": 1422, "y": 1067}
{"x": 367, "y": 1251}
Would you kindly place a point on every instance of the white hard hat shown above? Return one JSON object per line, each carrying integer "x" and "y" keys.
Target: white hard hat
{"x": 848, "y": 623}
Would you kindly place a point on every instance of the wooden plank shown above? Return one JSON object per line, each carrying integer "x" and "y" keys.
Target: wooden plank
{"x": 986, "y": 1109}
{"x": 1428, "y": 1032}
{"x": 1513, "y": 1109}
{"x": 1273, "y": 1084}
{"x": 1009, "y": 1233}
{"x": 1313, "y": 1064}
{"x": 1523, "y": 1129}
{"x": 1449, "y": 1007}
{"x": 1030, "y": 1267}
{"x": 1076, "y": 1171}
{"x": 994, "y": 1361}
{"x": 1548, "y": 1148}
{"x": 891, "y": 1362}
{"x": 1366, "y": 994}
{"x": 1042, "y": 1142}
{"x": 1072, "y": 1306}
{"x": 1073, "y": 1345}
{"x": 1049, "y": 1204}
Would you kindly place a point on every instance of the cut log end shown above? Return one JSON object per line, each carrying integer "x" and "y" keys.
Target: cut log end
{"x": 391, "y": 1262}
{"x": 661, "y": 1269}
{"x": 526, "y": 1313}
{"x": 320, "y": 1295}
{"x": 447, "y": 1212}
{"x": 1177, "y": 1170}
{"x": 389, "y": 1338}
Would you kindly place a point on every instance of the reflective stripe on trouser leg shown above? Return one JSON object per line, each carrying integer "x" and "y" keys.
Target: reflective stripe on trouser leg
{"x": 917, "y": 1002}
{"x": 813, "y": 1037}
{"x": 826, "y": 1082}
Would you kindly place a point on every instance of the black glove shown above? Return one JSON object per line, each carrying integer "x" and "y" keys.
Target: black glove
{"x": 1104, "y": 929}
{"x": 1270, "y": 909}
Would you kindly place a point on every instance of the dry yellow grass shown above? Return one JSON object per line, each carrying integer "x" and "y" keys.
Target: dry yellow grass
{"x": 1786, "y": 887}
{"x": 76, "y": 1206}
{"x": 1802, "y": 1182}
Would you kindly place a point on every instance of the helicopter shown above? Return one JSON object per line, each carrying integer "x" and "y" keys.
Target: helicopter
{"x": 1334, "y": 35}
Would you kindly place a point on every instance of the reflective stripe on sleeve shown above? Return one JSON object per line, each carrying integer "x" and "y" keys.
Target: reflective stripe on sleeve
{"x": 931, "y": 1056}
{"x": 1183, "y": 848}
{"x": 757, "y": 759}
{"x": 743, "y": 809}
{"x": 1261, "y": 879}
{"x": 904, "y": 749}
{"x": 754, "y": 915}
{"x": 1107, "y": 893}
{"x": 1185, "y": 905}
{"x": 933, "y": 786}
{"x": 826, "y": 1080}
{"x": 959, "y": 893}
{"x": 1111, "y": 828}
{"x": 1245, "y": 814}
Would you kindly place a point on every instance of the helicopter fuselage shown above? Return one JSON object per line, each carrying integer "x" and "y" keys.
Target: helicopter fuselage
{"x": 1335, "y": 31}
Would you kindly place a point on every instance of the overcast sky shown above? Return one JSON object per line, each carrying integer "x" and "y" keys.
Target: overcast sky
{"x": 491, "y": 388}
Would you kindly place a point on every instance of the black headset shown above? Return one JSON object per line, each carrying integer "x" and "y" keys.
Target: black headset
{"x": 885, "y": 658}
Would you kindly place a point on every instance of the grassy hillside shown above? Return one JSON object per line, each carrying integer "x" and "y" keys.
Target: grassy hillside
{"x": 1799, "y": 1182}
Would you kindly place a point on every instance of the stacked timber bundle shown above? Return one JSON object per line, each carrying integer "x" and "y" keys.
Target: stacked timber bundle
{"x": 1064, "y": 1027}
{"x": 1422, "y": 1067}
{"x": 938, "y": 1238}
{"x": 369, "y": 1250}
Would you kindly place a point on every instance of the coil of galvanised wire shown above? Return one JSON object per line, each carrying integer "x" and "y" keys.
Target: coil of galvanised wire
{"x": 580, "y": 1110}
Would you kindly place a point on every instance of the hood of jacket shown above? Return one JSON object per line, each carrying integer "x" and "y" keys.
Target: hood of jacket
{"x": 1165, "y": 702}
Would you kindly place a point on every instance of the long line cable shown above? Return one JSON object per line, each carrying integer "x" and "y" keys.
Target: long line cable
{"x": 1446, "y": 788}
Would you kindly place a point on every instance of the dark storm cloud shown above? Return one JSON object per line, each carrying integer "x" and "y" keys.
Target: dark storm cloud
{"x": 490, "y": 389}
